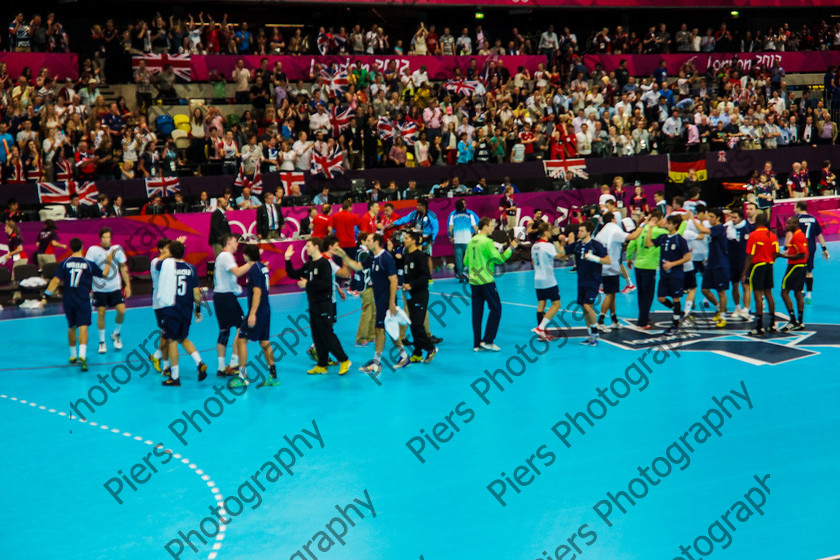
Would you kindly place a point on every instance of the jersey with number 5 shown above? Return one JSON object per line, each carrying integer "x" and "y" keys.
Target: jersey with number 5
{"x": 186, "y": 280}
{"x": 76, "y": 275}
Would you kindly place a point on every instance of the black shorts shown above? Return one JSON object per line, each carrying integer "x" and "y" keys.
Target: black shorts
{"x": 259, "y": 332}
{"x": 794, "y": 277}
{"x": 670, "y": 286}
{"x": 699, "y": 266}
{"x": 108, "y": 299}
{"x": 548, "y": 294}
{"x": 716, "y": 279}
{"x": 77, "y": 316}
{"x": 736, "y": 269}
{"x": 610, "y": 284}
{"x": 382, "y": 304}
{"x": 175, "y": 326}
{"x": 809, "y": 266}
{"x": 587, "y": 294}
{"x": 159, "y": 318}
{"x": 228, "y": 312}
{"x": 761, "y": 276}
{"x": 689, "y": 280}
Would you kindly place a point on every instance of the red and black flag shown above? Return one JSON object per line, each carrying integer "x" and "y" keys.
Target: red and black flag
{"x": 679, "y": 166}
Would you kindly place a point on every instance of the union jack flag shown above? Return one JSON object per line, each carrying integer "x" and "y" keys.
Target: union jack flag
{"x": 340, "y": 119}
{"x": 324, "y": 43}
{"x": 328, "y": 166}
{"x": 164, "y": 186}
{"x": 409, "y": 131}
{"x": 254, "y": 182}
{"x": 337, "y": 81}
{"x": 389, "y": 130}
{"x": 60, "y": 193}
{"x": 155, "y": 63}
{"x": 290, "y": 178}
{"x": 386, "y": 128}
{"x": 464, "y": 87}
{"x": 556, "y": 168}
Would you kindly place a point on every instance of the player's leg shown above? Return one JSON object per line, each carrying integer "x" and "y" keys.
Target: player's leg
{"x": 759, "y": 312}
{"x": 809, "y": 286}
{"x": 174, "y": 379}
{"x": 71, "y": 342}
{"x": 745, "y": 308}
{"x": 233, "y": 365}
{"x": 540, "y": 311}
{"x": 721, "y": 308}
{"x": 100, "y": 326}
{"x": 477, "y": 297}
{"x": 196, "y": 358}
{"x": 320, "y": 320}
{"x": 115, "y": 336}
{"x": 800, "y": 307}
{"x": 771, "y": 309}
{"x": 268, "y": 352}
{"x": 494, "y": 317}
{"x": 364, "y": 333}
{"x": 221, "y": 349}
{"x": 788, "y": 306}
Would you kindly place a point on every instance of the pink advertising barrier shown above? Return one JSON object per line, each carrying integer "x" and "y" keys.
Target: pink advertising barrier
{"x": 63, "y": 65}
{"x": 138, "y": 235}
{"x": 613, "y": 3}
{"x": 301, "y": 67}
{"x": 645, "y": 64}
{"x": 826, "y": 209}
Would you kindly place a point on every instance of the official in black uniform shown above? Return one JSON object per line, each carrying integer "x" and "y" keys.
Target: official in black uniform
{"x": 416, "y": 278}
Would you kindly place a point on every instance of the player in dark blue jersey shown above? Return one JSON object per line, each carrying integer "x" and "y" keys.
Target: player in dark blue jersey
{"x": 738, "y": 230}
{"x": 590, "y": 255}
{"x": 76, "y": 275}
{"x": 716, "y": 276}
{"x": 180, "y": 296}
{"x": 673, "y": 254}
{"x": 813, "y": 233}
{"x": 257, "y": 323}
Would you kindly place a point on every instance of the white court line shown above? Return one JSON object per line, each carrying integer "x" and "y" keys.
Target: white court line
{"x": 220, "y": 536}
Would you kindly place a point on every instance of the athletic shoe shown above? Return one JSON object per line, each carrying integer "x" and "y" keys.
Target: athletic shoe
{"x": 629, "y": 289}
{"x": 756, "y": 332}
{"x": 344, "y": 367}
{"x": 772, "y": 329}
{"x": 716, "y": 318}
{"x": 603, "y": 328}
{"x": 431, "y": 355}
{"x": 669, "y": 331}
{"x": 690, "y": 319}
{"x": 808, "y": 299}
{"x": 202, "y": 371}
{"x": 745, "y": 314}
{"x": 269, "y": 382}
{"x": 720, "y": 323}
{"x": 371, "y": 367}
{"x": 799, "y": 327}
{"x": 476, "y": 349}
{"x": 167, "y": 372}
{"x": 600, "y": 290}
{"x": 436, "y": 340}
{"x": 230, "y": 371}
{"x": 362, "y": 344}
{"x": 331, "y": 363}
{"x": 416, "y": 359}
{"x": 787, "y": 327}
{"x": 155, "y": 363}
{"x": 317, "y": 370}
{"x": 541, "y": 334}
{"x": 102, "y": 348}
{"x": 220, "y": 373}
{"x": 312, "y": 353}
{"x": 115, "y": 338}
{"x": 73, "y": 360}
{"x": 736, "y": 315}
{"x": 83, "y": 363}
{"x": 171, "y": 382}
{"x": 591, "y": 340}
{"x": 238, "y": 382}
{"x": 490, "y": 346}
{"x": 643, "y": 327}
{"x": 404, "y": 361}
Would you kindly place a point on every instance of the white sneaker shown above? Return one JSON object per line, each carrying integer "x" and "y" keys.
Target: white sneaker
{"x": 745, "y": 313}
{"x": 102, "y": 348}
{"x": 603, "y": 328}
{"x": 115, "y": 338}
{"x": 491, "y": 347}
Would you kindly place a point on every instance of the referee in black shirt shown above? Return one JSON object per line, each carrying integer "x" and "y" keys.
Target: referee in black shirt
{"x": 416, "y": 278}
{"x": 317, "y": 278}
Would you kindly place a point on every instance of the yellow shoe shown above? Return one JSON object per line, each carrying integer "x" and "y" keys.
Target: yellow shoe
{"x": 416, "y": 359}
{"x": 345, "y": 367}
{"x": 317, "y": 370}
{"x": 720, "y": 323}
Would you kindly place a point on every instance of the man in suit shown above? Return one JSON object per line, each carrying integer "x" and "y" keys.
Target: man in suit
{"x": 102, "y": 208}
{"x": 74, "y": 209}
{"x": 118, "y": 207}
{"x": 155, "y": 206}
{"x": 269, "y": 218}
{"x": 180, "y": 207}
{"x": 219, "y": 226}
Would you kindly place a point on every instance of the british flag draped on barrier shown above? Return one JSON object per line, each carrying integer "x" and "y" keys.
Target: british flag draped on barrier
{"x": 251, "y": 180}
{"x": 155, "y": 63}
{"x": 60, "y": 192}
{"x": 329, "y": 165}
{"x": 556, "y": 168}
{"x": 291, "y": 178}
{"x": 164, "y": 186}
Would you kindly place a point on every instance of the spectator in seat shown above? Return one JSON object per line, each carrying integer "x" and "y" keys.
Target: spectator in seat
{"x": 102, "y": 208}
{"x": 180, "y": 207}
{"x": 74, "y": 209}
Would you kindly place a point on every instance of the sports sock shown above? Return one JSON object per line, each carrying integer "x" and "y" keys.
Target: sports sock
{"x": 377, "y": 357}
{"x": 196, "y": 357}
{"x": 221, "y": 363}
{"x": 543, "y": 323}
{"x": 600, "y": 318}
{"x": 677, "y": 314}
{"x": 234, "y": 360}
{"x": 689, "y": 303}
{"x": 101, "y": 337}
{"x": 540, "y": 315}
{"x": 801, "y": 316}
{"x": 790, "y": 311}
{"x": 614, "y": 319}
{"x": 117, "y": 327}
{"x": 175, "y": 373}
{"x": 403, "y": 353}
{"x": 272, "y": 371}
{"x": 158, "y": 354}
{"x": 83, "y": 351}
{"x": 164, "y": 364}
{"x": 809, "y": 284}
{"x": 668, "y": 303}
{"x": 591, "y": 330}
{"x": 759, "y": 322}
{"x": 72, "y": 351}
{"x": 242, "y": 374}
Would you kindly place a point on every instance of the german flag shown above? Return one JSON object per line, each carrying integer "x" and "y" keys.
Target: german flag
{"x": 680, "y": 164}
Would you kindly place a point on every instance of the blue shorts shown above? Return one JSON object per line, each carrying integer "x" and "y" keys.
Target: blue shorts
{"x": 228, "y": 312}
{"x": 548, "y": 294}
{"x": 670, "y": 286}
{"x": 716, "y": 279}
{"x": 611, "y": 284}
{"x": 77, "y": 316}
{"x": 259, "y": 332}
{"x": 809, "y": 266}
{"x": 587, "y": 294}
{"x": 159, "y": 318}
{"x": 736, "y": 269}
{"x": 175, "y": 326}
{"x": 382, "y": 304}
{"x": 107, "y": 299}
{"x": 689, "y": 280}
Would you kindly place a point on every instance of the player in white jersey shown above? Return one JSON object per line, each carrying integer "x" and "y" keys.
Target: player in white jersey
{"x": 612, "y": 236}
{"x": 229, "y": 314}
{"x": 108, "y": 292}
{"x": 543, "y": 253}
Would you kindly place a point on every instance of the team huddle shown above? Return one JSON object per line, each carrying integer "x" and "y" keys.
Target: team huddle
{"x": 733, "y": 251}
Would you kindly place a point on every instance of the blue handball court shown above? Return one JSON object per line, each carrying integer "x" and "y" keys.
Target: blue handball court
{"x": 713, "y": 445}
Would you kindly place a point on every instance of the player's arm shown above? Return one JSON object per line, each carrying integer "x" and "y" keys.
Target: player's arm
{"x": 348, "y": 262}
{"x": 699, "y": 225}
{"x": 648, "y": 238}
{"x": 255, "y": 302}
{"x": 125, "y": 277}
{"x": 821, "y": 241}
{"x": 592, "y": 257}
{"x": 747, "y": 264}
{"x": 291, "y": 271}
{"x": 51, "y": 287}
{"x": 197, "y": 302}
{"x": 392, "y": 296}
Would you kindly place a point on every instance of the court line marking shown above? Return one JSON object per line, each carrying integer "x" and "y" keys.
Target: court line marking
{"x": 220, "y": 537}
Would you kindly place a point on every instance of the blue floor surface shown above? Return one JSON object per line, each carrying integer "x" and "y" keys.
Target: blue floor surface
{"x": 723, "y": 445}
